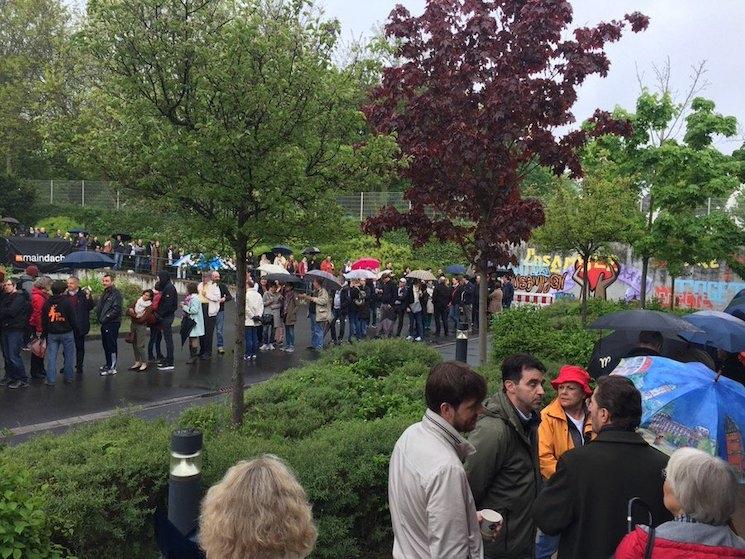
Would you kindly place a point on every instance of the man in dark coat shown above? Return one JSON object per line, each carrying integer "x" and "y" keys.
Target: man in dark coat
{"x": 82, "y": 304}
{"x": 504, "y": 473}
{"x": 508, "y": 292}
{"x": 587, "y": 498}
{"x": 441, "y": 302}
{"x": 165, "y": 315}
{"x": 109, "y": 314}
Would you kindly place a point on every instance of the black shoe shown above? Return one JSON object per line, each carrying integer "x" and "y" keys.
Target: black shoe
{"x": 166, "y": 367}
{"x": 205, "y": 357}
{"x": 79, "y": 371}
{"x": 68, "y": 381}
{"x": 18, "y": 384}
{"x": 5, "y": 381}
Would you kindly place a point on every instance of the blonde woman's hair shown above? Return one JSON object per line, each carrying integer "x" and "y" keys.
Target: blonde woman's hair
{"x": 257, "y": 511}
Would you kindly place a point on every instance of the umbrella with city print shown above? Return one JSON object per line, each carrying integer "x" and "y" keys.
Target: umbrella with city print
{"x": 688, "y": 404}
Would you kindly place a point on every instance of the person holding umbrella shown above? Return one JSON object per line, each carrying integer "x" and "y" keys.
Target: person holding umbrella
{"x": 649, "y": 343}
{"x": 320, "y": 313}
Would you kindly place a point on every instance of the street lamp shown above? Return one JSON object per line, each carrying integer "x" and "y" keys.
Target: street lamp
{"x": 185, "y": 481}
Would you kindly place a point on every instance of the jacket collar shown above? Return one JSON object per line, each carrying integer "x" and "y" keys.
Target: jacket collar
{"x": 619, "y": 436}
{"x": 442, "y": 429}
{"x": 500, "y": 406}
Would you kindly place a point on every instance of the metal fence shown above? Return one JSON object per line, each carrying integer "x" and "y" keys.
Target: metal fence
{"x": 104, "y": 194}
{"x": 360, "y": 205}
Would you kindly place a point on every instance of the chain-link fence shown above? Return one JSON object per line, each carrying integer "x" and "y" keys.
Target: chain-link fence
{"x": 360, "y": 205}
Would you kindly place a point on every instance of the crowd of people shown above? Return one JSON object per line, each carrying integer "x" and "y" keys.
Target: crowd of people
{"x": 574, "y": 478}
{"x": 499, "y": 477}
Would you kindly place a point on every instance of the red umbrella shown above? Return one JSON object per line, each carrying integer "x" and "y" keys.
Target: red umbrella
{"x": 366, "y": 264}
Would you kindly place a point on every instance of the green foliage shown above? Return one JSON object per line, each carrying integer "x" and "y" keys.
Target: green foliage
{"x": 99, "y": 484}
{"x": 62, "y": 223}
{"x": 335, "y": 421}
{"x": 25, "y": 530}
{"x": 18, "y": 199}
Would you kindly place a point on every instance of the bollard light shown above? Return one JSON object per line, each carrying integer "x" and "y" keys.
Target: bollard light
{"x": 185, "y": 483}
{"x": 461, "y": 342}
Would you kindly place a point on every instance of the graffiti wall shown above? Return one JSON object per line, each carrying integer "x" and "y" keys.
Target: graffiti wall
{"x": 708, "y": 286}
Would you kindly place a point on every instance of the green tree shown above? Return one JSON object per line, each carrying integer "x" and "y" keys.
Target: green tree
{"x": 232, "y": 115}
{"x": 586, "y": 217}
{"x": 32, "y": 34}
{"x": 18, "y": 200}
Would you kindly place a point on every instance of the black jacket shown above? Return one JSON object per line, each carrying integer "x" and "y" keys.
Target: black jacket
{"x": 109, "y": 307}
{"x": 466, "y": 295}
{"x": 168, "y": 297}
{"x": 390, "y": 292}
{"x": 224, "y": 292}
{"x": 14, "y": 312}
{"x": 82, "y": 304}
{"x": 508, "y": 293}
{"x": 441, "y": 296}
{"x": 58, "y": 316}
{"x": 586, "y": 499}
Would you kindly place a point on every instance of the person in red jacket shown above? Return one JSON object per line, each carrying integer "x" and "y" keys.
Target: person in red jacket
{"x": 700, "y": 491}
{"x": 39, "y": 296}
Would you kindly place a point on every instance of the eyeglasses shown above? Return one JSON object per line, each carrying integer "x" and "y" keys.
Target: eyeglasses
{"x": 664, "y": 474}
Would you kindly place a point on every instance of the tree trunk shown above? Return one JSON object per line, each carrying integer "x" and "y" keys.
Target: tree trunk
{"x": 672, "y": 292}
{"x": 236, "y": 396}
{"x": 483, "y": 321}
{"x": 585, "y": 287}
{"x": 645, "y": 269}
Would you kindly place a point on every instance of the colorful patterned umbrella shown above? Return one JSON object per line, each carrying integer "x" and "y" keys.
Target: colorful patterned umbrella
{"x": 687, "y": 404}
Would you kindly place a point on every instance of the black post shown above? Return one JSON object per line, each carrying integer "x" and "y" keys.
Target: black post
{"x": 461, "y": 342}
{"x": 185, "y": 481}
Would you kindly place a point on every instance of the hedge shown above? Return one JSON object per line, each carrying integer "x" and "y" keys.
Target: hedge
{"x": 334, "y": 420}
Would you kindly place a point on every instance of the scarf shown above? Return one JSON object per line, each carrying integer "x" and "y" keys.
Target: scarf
{"x": 141, "y": 306}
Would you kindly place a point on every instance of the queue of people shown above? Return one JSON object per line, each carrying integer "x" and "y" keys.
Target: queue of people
{"x": 501, "y": 478}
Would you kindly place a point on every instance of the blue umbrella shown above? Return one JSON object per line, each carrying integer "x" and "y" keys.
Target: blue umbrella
{"x": 87, "y": 259}
{"x": 719, "y": 329}
{"x": 456, "y": 269}
{"x": 688, "y": 404}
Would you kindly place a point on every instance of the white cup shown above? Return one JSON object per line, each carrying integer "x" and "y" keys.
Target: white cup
{"x": 491, "y": 521}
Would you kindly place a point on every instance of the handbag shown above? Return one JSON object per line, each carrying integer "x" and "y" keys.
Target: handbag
{"x": 267, "y": 319}
{"x": 129, "y": 338}
{"x": 38, "y": 347}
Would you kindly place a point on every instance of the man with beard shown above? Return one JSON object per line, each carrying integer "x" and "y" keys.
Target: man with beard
{"x": 504, "y": 473}
{"x": 432, "y": 509}
{"x": 165, "y": 313}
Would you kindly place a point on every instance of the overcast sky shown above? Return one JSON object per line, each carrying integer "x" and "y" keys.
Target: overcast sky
{"x": 688, "y": 31}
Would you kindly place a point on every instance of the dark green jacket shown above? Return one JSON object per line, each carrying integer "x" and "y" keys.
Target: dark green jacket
{"x": 505, "y": 476}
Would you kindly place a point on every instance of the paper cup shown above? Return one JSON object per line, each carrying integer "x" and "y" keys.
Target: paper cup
{"x": 491, "y": 520}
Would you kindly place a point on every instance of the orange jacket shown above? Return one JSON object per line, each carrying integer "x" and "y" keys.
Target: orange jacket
{"x": 553, "y": 436}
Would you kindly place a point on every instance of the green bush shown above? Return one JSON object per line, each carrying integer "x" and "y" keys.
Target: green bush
{"x": 62, "y": 222}
{"x": 334, "y": 420}
{"x": 99, "y": 484}
{"x": 25, "y": 530}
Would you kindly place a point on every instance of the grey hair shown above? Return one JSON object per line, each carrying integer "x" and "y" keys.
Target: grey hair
{"x": 43, "y": 282}
{"x": 705, "y": 486}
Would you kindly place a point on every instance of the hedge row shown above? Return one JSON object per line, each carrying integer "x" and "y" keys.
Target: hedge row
{"x": 335, "y": 420}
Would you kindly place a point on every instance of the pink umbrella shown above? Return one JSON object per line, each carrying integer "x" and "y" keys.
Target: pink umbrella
{"x": 366, "y": 264}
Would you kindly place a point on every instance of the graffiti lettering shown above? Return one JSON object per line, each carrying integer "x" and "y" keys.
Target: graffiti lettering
{"x": 556, "y": 264}
{"x": 543, "y": 283}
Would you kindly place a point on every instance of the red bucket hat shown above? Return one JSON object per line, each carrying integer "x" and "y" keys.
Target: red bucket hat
{"x": 573, "y": 373}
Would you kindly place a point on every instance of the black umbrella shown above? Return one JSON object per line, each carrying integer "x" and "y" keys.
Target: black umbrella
{"x": 11, "y": 220}
{"x": 187, "y": 324}
{"x": 77, "y": 231}
{"x": 283, "y": 278}
{"x": 609, "y": 351}
{"x": 312, "y": 250}
{"x": 328, "y": 280}
{"x": 123, "y": 236}
{"x": 87, "y": 259}
{"x": 643, "y": 320}
{"x": 282, "y": 249}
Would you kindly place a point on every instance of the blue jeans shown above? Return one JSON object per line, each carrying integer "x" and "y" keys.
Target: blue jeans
{"x": 220, "y": 329}
{"x": 316, "y": 332}
{"x": 65, "y": 341}
{"x": 361, "y": 324}
{"x": 545, "y": 545}
{"x": 455, "y": 315}
{"x": 118, "y": 259}
{"x": 353, "y": 325}
{"x": 153, "y": 345}
{"x": 12, "y": 341}
{"x": 290, "y": 336}
{"x": 416, "y": 330}
{"x": 251, "y": 339}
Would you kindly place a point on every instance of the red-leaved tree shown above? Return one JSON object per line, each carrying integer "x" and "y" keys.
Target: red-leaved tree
{"x": 475, "y": 98}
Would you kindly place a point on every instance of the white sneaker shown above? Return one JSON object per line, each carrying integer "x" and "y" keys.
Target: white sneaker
{"x": 271, "y": 347}
{"x": 263, "y": 347}
{"x": 418, "y": 339}
{"x": 290, "y": 349}
{"x": 409, "y": 338}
